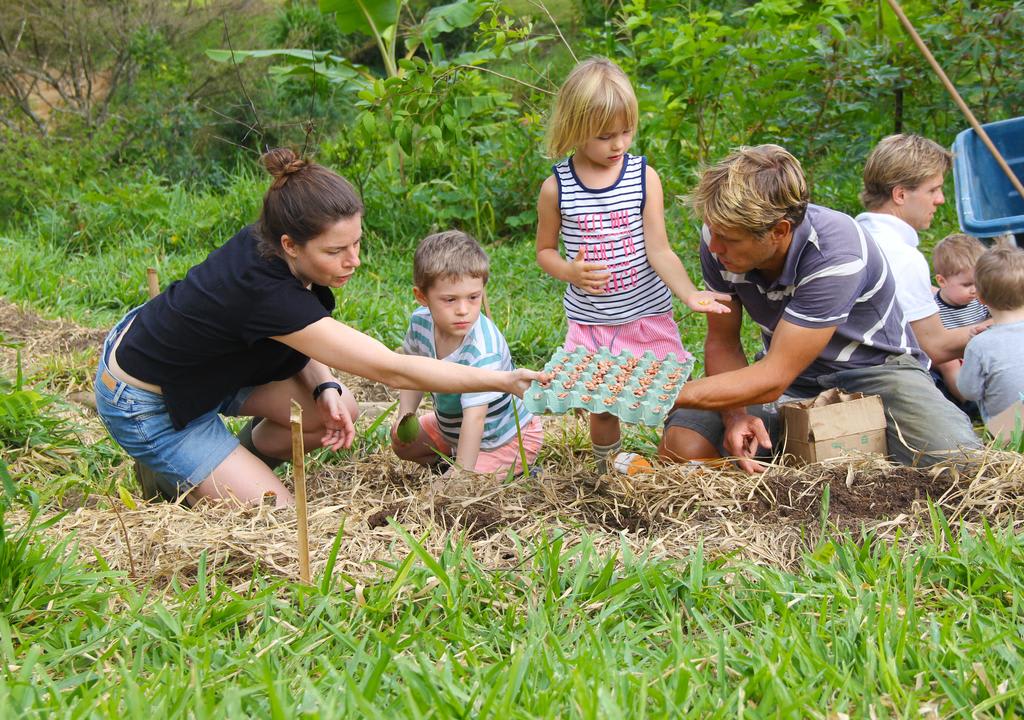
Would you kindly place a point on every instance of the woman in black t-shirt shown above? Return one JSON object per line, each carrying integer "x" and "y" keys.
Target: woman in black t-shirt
{"x": 245, "y": 332}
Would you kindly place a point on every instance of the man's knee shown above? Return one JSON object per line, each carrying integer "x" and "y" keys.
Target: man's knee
{"x": 680, "y": 444}
{"x": 923, "y": 408}
{"x": 923, "y": 426}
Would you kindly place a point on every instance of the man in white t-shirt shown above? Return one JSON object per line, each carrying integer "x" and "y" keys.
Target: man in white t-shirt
{"x": 902, "y": 188}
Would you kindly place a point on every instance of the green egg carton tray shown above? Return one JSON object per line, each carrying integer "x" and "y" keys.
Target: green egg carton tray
{"x": 638, "y": 390}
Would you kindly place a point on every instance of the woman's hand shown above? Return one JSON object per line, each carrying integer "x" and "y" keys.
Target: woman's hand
{"x": 706, "y": 301}
{"x": 590, "y": 277}
{"x": 520, "y": 379}
{"x": 339, "y": 432}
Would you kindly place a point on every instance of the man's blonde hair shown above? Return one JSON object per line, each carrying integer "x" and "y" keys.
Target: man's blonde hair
{"x": 901, "y": 161}
{"x": 752, "y": 189}
{"x": 999, "y": 277}
{"x": 596, "y": 95}
{"x": 448, "y": 254}
{"x": 956, "y": 253}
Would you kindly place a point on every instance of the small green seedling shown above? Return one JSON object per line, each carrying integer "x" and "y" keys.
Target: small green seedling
{"x": 408, "y": 428}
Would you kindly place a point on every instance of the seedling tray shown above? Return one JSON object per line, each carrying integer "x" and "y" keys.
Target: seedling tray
{"x": 638, "y": 390}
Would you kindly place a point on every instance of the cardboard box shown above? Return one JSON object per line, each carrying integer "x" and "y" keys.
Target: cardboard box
{"x": 832, "y": 424}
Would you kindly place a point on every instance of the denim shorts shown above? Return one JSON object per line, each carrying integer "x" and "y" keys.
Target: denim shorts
{"x": 139, "y": 421}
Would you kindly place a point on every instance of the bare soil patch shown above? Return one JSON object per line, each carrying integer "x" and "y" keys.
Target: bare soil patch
{"x": 856, "y": 494}
{"x": 381, "y": 517}
{"x": 476, "y": 522}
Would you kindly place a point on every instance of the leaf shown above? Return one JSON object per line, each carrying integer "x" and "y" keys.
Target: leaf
{"x": 840, "y": 32}
{"x": 368, "y": 123}
{"x": 126, "y": 498}
{"x": 332, "y": 558}
{"x": 527, "y": 218}
{"x": 363, "y": 16}
{"x": 242, "y": 55}
{"x": 381, "y": 418}
{"x": 447, "y": 18}
{"x": 10, "y": 491}
{"x": 429, "y": 560}
{"x": 334, "y": 74}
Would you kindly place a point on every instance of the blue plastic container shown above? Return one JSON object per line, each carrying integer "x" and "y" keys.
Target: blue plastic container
{"x": 987, "y": 204}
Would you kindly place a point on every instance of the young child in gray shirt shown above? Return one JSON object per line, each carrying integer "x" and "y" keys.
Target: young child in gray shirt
{"x": 993, "y": 371}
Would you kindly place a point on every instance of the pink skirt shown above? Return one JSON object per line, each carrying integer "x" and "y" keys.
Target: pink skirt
{"x": 657, "y": 333}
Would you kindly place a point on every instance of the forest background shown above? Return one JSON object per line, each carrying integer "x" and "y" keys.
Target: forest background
{"x": 132, "y": 139}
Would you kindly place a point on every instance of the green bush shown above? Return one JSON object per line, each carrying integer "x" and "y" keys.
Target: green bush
{"x": 826, "y": 80}
{"x": 438, "y": 148}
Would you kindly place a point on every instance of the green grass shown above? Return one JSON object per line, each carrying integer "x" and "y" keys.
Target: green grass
{"x": 864, "y": 629}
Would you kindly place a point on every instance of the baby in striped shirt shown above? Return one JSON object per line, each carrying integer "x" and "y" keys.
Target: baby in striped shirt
{"x": 953, "y": 260}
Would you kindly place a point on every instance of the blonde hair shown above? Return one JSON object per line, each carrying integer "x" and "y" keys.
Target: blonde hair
{"x": 752, "y": 189}
{"x": 448, "y": 254}
{"x": 594, "y": 96}
{"x": 901, "y": 161}
{"x": 956, "y": 253}
{"x": 999, "y": 277}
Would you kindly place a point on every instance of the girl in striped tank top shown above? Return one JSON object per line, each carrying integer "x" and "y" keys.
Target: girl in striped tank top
{"x": 608, "y": 207}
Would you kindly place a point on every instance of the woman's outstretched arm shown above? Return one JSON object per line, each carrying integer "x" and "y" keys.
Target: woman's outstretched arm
{"x": 345, "y": 348}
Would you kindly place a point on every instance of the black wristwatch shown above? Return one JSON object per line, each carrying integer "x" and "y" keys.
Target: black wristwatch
{"x": 319, "y": 389}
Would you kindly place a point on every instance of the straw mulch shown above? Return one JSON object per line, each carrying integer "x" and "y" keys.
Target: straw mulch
{"x": 39, "y": 337}
{"x": 42, "y": 345}
{"x": 772, "y": 518}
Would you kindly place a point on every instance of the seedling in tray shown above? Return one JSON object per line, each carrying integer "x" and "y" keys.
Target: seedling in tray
{"x": 636, "y": 389}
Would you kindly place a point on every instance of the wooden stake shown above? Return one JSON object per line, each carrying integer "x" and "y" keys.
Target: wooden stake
{"x": 956, "y": 96}
{"x": 152, "y": 282}
{"x": 299, "y": 479}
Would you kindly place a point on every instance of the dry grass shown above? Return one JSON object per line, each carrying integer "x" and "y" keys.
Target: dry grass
{"x": 771, "y": 518}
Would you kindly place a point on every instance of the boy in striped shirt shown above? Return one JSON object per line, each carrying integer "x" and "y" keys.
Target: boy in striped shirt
{"x": 450, "y": 270}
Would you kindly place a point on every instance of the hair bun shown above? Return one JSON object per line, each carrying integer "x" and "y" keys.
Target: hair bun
{"x": 282, "y": 162}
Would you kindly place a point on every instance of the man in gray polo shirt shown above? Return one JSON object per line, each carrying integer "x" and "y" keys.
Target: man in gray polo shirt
{"x": 823, "y": 296}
